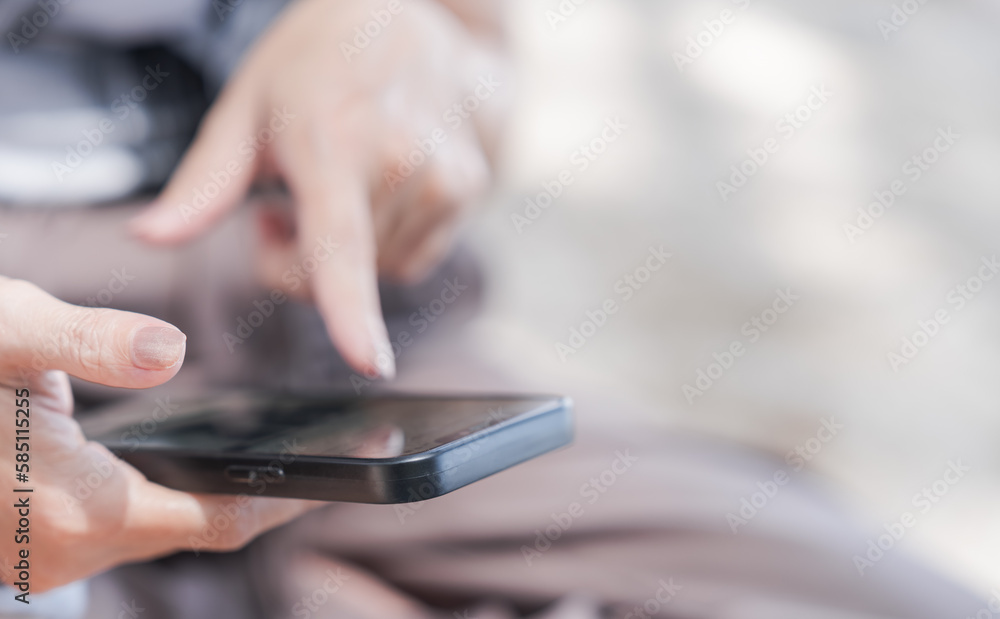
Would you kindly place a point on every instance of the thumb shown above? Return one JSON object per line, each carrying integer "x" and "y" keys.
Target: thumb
{"x": 110, "y": 347}
{"x": 210, "y": 180}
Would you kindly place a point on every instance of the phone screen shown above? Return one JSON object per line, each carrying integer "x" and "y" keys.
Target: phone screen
{"x": 374, "y": 427}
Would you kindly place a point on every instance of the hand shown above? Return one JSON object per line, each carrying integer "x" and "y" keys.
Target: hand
{"x": 90, "y": 511}
{"x": 337, "y": 123}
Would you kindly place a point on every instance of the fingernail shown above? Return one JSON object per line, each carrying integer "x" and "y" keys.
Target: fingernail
{"x": 384, "y": 361}
{"x": 157, "y": 348}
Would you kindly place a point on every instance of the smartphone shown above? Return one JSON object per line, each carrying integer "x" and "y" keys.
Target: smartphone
{"x": 375, "y": 449}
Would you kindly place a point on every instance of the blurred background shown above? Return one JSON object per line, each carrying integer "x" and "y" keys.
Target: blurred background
{"x": 688, "y": 117}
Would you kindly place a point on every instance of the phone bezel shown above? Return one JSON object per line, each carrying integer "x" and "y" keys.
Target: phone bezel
{"x": 402, "y": 479}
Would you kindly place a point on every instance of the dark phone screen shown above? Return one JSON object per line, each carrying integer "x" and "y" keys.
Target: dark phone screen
{"x": 376, "y": 427}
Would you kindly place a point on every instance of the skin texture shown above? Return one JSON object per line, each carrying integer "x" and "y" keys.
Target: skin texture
{"x": 356, "y": 117}
{"x": 348, "y": 122}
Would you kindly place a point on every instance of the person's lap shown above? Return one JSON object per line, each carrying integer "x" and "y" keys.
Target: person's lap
{"x": 630, "y": 515}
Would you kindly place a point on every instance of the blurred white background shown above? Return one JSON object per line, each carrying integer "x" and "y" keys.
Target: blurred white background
{"x": 657, "y": 184}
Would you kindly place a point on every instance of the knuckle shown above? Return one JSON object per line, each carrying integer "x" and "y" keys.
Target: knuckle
{"x": 439, "y": 196}
{"x": 81, "y": 339}
{"x": 456, "y": 185}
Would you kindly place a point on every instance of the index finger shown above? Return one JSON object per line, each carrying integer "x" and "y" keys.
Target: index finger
{"x": 336, "y": 231}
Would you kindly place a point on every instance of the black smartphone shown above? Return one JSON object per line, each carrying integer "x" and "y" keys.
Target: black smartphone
{"x": 375, "y": 449}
